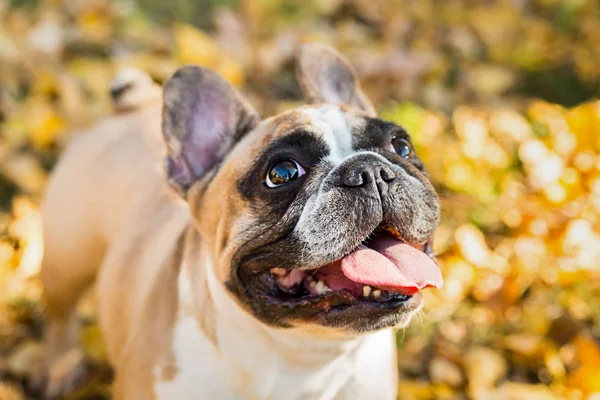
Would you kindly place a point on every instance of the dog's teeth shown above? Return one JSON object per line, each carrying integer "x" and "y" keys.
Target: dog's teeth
{"x": 366, "y": 290}
{"x": 312, "y": 283}
{"x": 376, "y": 293}
{"x": 321, "y": 287}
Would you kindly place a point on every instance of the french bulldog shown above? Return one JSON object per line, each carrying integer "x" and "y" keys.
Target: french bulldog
{"x": 236, "y": 257}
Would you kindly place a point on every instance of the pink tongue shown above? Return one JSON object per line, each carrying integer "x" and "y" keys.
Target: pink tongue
{"x": 393, "y": 265}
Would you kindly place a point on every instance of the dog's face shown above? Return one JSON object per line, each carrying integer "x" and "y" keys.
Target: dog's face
{"x": 321, "y": 215}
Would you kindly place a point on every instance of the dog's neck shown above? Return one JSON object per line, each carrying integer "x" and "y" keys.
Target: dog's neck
{"x": 230, "y": 329}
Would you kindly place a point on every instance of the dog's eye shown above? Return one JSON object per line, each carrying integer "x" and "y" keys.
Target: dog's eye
{"x": 283, "y": 171}
{"x": 402, "y": 147}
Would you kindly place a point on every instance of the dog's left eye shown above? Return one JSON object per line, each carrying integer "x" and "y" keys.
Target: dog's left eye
{"x": 283, "y": 171}
{"x": 402, "y": 147}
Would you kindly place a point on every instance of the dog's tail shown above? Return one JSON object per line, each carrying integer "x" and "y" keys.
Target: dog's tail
{"x": 132, "y": 88}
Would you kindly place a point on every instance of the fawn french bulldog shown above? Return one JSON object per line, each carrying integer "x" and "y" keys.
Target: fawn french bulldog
{"x": 236, "y": 257}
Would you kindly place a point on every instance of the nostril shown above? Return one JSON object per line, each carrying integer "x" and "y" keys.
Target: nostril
{"x": 387, "y": 174}
{"x": 354, "y": 178}
{"x": 364, "y": 172}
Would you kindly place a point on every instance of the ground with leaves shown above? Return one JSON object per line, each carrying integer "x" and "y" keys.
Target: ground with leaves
{"x": 498, "y": 96}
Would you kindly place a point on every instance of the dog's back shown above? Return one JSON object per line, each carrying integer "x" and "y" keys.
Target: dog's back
{"x": 85, "y": 212}
{"x": 114, "y": 157}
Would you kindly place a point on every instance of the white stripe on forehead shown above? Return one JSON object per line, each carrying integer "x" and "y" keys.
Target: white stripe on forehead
{"x": 337, "y": 133}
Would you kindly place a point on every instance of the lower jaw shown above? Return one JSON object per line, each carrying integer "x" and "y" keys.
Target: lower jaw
{"x": 299, "y": 298}
{"x": 363, "y": 319}
{"x": 332, "y": 308}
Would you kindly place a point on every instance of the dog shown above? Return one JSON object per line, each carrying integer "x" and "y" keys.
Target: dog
{"x": 236, "y": 257}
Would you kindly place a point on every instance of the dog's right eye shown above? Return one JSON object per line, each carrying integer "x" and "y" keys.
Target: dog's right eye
{"x": 283, "y": 171}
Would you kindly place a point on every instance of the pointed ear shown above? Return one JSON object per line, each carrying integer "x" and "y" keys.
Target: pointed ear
{"x": 203, "y": 117}
{"x": 327, "y": 77}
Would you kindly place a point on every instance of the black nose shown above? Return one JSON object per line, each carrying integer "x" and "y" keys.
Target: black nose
{"x": 364, "y": 170}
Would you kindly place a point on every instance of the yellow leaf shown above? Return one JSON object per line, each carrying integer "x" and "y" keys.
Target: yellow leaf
{"x": 45, "y": 82}
{"x": 197, "y": 47}
{"x": 231, "y": 70}
{"x": 554, "y": 364}
{"x": 585, "y": 378}
{"x": 194, "y": 46}
{"x": 588, "y": 353}
{"x": 48, "y": 128}
{"x": 544, "y": 112}
{"x": 95, "y": 26}
{"x": 584, "y": 122}
{"x": 412, "y": 390}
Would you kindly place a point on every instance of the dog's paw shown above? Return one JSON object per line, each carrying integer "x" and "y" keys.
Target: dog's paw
{"x": 65, "y": 374}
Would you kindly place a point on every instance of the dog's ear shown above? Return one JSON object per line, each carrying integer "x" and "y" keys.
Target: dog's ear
{"x": 203, "y": 117}
{"x": 327, "y": 77}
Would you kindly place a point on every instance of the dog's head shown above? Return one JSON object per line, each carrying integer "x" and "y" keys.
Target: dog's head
{"x": 320, "y": 215}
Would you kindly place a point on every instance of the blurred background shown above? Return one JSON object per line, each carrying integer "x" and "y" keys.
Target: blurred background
{"x": 498, "y": 95}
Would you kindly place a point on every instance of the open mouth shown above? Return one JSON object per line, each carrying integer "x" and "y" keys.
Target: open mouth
{"x": 384, "y": 271}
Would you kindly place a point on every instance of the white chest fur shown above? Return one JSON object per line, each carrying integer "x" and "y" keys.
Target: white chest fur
{"x": 251, "y": 361}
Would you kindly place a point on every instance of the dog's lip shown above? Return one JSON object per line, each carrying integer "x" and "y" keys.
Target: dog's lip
{"x": 391, "y": 229}
{"x": 329, "y": 301}
{"x": 263, "y": 285}
{"x": 286, "y": 278}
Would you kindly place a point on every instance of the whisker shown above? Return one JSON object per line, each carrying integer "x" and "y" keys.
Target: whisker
{"x": 403, "y": 334}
